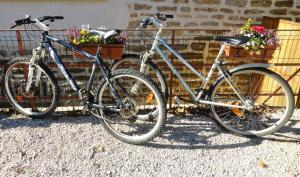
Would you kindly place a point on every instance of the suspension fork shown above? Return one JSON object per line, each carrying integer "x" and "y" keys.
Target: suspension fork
{"x": 35, "y": 56}
{"x": 39, "y": 72}
{"x": 143, "y": 69}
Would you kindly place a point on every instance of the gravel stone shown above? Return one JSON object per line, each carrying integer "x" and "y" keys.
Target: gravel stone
{"x": 191, "y": 145}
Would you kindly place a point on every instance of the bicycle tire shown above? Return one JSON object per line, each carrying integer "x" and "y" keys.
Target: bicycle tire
{"x": 45, "y": 70}
{"x": 238, "y": 114}
{"x": 134, "y": 59}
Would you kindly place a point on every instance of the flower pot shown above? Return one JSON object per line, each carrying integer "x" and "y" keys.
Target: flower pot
{"x": 110, "y": 51}
{"x": 240, "y": 52}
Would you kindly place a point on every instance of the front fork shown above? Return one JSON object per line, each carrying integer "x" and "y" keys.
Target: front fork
{"x": 143, "y": 69}
{"x": 37, "y": 54}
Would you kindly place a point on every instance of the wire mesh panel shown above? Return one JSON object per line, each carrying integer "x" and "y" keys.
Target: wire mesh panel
{"x": 196, "y": 46}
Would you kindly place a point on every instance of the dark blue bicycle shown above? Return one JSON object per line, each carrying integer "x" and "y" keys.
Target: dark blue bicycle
{"x": 123, "y": 99}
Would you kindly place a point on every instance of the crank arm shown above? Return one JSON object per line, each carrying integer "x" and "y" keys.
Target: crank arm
{"x": 97, "y": 106}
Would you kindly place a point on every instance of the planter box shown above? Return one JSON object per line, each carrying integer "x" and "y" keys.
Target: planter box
{"x": 239, "y": 52}
{"x": 111, "y": 51}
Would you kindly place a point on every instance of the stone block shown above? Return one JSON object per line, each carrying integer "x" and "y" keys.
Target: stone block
{"x": 225, "y": 10}
{"x": 185, "y": 9}
{"x": 192, "y": 55}
{"x": 197, "y": 46}
{"x": 166, "y": 8}
{"x": 207, "y": 1}
{"x": 184, "y": 16}
{"x": 210, "y": 23}
{"x": 190, "y": 24}
{"x": 133, "y": 15}
{"x": 233, "y": 17}
{"x": 217, "y": 17}
{"x": 232, "y": 25}
{"x": 201, "y": 16}
{"x": 133, "y": 24}
{"x": 207, "y": 9}
{"x": 158, "y": 0}
{"x": 278, "y": 11}
{"x": 261, "y": 3}
{"x": 180, "y": 46}
{"x": 287, "y": 3}
{"x": 238, "y": 3}
{"x": 181, "y": 1}
{"x": 253, "y": 11}
{"x": 136, "y": 48}
{"x": 294, "y": 12}
{"x": 214, "y": 45}
{"x": 142, "y": 7}
{"x": 173, "y": 24}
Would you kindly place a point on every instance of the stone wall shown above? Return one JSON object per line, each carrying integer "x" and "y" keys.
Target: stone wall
{"x": 220, "y": 14}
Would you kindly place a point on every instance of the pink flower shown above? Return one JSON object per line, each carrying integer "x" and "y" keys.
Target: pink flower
{"x": 259, "y": 29}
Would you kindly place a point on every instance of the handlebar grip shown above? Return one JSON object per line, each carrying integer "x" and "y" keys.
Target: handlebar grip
{"x": 13, "y": 26}
{"x": 169, "y": 16}
{"x": 21, "y": 22}
{"x": 58, "y": 17}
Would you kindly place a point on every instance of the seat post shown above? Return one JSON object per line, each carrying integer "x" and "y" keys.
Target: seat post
{"x": 221, "y": 51}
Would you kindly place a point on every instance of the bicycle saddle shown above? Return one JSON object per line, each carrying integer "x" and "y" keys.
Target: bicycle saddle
{"x": 104, "y": 34}
{"x": 232, "y": 40}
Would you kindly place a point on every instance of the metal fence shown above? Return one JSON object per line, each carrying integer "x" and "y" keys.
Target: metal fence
{"x": 194, "y": 44}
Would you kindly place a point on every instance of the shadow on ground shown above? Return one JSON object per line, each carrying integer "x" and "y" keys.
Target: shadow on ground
{"x": 195, "y": 132}
{"x": 181, "y": 132}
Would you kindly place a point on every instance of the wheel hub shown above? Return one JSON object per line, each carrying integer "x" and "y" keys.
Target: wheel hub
{"x": 128, "y": 108}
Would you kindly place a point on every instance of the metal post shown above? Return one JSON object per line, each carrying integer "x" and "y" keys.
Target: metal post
{"x": 171, "y": 74}
{"x": 20, "y": 43}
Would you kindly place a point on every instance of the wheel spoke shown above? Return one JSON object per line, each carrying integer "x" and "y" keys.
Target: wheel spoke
{"x": 264, "y": 114}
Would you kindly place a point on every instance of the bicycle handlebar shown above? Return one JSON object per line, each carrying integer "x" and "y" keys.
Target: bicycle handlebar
{"x": 50, "y": 18}
{"x": 154, "y": 20}
{"x": 28, "y": 20}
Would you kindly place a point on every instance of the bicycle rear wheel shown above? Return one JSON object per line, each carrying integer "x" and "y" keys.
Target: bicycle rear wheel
{"x": 43, "y": 95}
{"x": 269, "y": 94}
{"x": 139, "y": 96}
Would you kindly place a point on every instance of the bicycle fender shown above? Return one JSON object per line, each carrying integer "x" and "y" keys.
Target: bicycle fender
{"x": 251, "y": 65}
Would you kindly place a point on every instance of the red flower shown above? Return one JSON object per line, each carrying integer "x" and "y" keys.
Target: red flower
{"x": 259, "y": 29}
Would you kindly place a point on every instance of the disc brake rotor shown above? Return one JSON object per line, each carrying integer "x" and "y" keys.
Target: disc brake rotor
{"x": 128, "y": 108}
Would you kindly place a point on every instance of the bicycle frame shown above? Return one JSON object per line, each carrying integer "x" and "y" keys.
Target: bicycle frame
{"x": 46, "y": 45}
{"x": 216, "y": 65}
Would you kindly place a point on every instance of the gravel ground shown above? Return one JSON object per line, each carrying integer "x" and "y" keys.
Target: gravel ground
{"x": 190, "y": 146}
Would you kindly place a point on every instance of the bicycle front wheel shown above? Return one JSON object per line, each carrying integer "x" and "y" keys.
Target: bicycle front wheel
{"x": 269, "y": 95}
{"x": 132, "y": 61}
{"x": 139, "y": 97}
{"x": 42, "y": 97}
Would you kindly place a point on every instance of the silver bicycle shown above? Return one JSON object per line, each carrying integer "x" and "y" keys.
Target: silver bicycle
{"x": 249, "y": 99}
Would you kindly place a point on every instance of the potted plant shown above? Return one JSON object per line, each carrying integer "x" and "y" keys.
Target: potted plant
{"x": 111, "y": 48}
{"x": 263, "y": 42}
